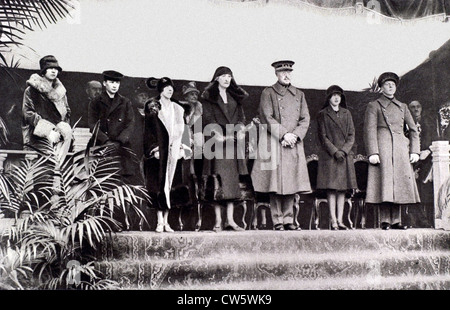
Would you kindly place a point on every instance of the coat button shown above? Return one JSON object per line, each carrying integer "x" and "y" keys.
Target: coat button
{"x": 108, "y": 120}
{"x": 120, "y": 119}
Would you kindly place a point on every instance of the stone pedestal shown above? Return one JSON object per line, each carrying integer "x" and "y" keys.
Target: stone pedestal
{"x": 441, "y": 174}
{"x": 81, "y": 138}
{"x": 3, "y": 157}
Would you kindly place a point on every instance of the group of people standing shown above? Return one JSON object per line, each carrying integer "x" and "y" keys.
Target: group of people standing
{"x": 192, "y": 149}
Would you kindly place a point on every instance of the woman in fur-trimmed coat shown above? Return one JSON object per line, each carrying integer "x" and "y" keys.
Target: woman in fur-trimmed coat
{"x": 46, "y": 113}
{"x": 222, "y": 110}
{"x": 164, "y": 134}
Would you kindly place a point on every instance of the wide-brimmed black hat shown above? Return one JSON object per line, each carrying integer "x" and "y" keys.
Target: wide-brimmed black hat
{"x": 111, "y": 75}
{"x": 335, "y": 89}
{"x": 388, "y": 76}
{"x": 48, "y": 62}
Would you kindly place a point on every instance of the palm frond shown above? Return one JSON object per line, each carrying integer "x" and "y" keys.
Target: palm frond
{"x": 17, "y": 16}
{"x": 70, "y": 209}
{"x": 373, "y": 87}
{"x": 4, "y": 133}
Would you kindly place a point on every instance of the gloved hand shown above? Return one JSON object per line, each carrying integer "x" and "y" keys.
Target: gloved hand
{"x": 374, "y": 159}
{"x": 424, "y": 154}
{"x": 290, "y": 138}
{"x": 113, "y": 144}
{"x": 154, "y": 153}
{"x": 339, "y": 155}
{"x": 54, "y": 137}
{"x": 413, "y": 158}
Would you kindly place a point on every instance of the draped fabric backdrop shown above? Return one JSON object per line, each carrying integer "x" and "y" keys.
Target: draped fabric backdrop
{"x": 399, "y": 10}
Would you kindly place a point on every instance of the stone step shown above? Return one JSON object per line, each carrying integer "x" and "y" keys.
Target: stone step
{"x": 201, "y": 245}
{"x": 241, "y": 268}
{"x": 409, "y": 282}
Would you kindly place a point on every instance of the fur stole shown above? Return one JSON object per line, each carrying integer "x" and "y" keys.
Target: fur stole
{"x": 154, "y": 106}
{"x": 211, "y": 92}
{"x": 54, "y": 93}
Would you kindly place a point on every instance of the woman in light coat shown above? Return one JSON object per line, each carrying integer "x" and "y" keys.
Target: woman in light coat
{"x": 163, "y": 148}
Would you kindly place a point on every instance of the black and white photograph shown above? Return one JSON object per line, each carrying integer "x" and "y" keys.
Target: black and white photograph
{"x": 225, "y": 151}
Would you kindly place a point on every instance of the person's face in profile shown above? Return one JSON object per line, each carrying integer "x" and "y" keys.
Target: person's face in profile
{"x": 416, "y": 109}
{"x": 167, "y": 92}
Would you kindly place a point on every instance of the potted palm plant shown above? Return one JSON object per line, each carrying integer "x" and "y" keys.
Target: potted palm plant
{"x": 50, "y": 248}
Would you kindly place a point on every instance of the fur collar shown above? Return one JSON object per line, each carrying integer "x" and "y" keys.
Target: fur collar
{"x": 154, "y": 106}
{"x": 53, "y": 92}
{"x": 211, "y": 92}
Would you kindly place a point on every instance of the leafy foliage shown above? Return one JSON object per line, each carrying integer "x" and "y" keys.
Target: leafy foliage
{"x": 18, "y": 16}
{"x": 373, "y": 87}
{"x": 3, "y": 133}
{"x": 63, "y": 211}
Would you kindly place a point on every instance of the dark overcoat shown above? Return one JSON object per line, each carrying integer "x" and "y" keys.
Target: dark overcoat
{"x": 226, "y": 163}
{"x": 116, "y": 125}
{"x": 278, "y": 169}
{"x": 393, "y": 179}
{"x": 168, "y": 179}
{"x": 336, "y": 133}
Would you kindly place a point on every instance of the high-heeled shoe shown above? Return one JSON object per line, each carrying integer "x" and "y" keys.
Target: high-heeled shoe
{"x": 168, "y": 229}
{"x": 342, "y": 226}
{"x": 217, "y": 228}
{"x": 159, "y": 228}
{"x": 234, "y": 227}
{"x": 334, "y": 226}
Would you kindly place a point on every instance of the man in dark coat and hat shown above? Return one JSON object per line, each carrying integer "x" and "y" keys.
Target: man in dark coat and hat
{"x": 391, "y": 182}
{"x": 115, "y": 116}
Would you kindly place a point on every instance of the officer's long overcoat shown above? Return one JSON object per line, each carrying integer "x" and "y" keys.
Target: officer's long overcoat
{"x": 384, "y": 134}
{"x": 278, "y": 169}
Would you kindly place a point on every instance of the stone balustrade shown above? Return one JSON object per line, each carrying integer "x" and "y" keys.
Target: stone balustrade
{"x": 441, "y": 174}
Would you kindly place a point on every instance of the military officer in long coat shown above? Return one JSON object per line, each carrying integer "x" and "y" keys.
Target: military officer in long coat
{"x": 391, "y": 180}
{"x": 115, "y": 115}
{"x": 280, "y": 166}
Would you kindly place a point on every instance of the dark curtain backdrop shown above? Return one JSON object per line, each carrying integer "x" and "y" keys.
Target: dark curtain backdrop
{"x": 427, "y": 83}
